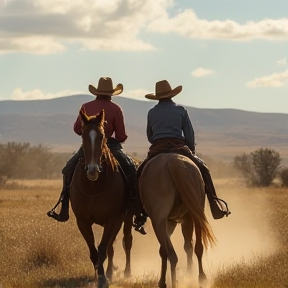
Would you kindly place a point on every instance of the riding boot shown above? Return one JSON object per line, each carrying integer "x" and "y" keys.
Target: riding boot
{"x": 67, "y": 172}
{"x": 218, "y": 207}
{"x": 63, "y": 216}
{"x": 141, "y": 215}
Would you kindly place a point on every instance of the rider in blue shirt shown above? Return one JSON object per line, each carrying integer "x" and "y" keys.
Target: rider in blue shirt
{"x": 169, "y": 130}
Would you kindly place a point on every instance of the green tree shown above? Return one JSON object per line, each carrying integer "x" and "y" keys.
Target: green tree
{"x": 260, "y": 167}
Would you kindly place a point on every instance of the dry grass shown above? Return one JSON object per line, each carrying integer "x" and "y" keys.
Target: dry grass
{"x": 36, "y": 251}
{"x": 262, "y": 270}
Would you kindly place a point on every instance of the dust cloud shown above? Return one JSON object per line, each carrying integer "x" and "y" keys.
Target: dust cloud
{"x": 243, "y": 236}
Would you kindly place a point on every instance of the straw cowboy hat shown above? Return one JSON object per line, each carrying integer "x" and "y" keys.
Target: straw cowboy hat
{"x": 164, "y": 90}
{"x": 105, "y": 87}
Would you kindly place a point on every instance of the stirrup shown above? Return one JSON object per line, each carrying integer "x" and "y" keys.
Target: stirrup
{"x": 56, "y": 216}
{"x": 218, "y": 200}
{"x": 139, "y": 221}
{"x": 141, "y": 230}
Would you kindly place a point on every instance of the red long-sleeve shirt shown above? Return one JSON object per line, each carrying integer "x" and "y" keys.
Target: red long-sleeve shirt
{"x": 113, "y": 117}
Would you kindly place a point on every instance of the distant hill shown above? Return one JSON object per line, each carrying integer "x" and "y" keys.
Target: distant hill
{"x": 220, "y": 133}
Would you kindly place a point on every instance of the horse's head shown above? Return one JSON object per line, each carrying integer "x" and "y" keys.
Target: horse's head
{"x": 93, "y": 141}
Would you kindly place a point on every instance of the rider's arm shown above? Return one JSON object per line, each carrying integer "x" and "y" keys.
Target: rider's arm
{"x": 188, "y": 131}
{"x": 77, "y": 126}
{"x": 120, "y": 133}
{"x": 149, "y": 131}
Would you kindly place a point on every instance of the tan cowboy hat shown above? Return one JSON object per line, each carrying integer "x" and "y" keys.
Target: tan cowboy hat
{"x": 105, "y": 87}
{"x": 164, "y": 90}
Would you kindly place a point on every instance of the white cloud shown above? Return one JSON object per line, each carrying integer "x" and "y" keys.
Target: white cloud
{"x": 36, "y": 45}
{"x": 273, "y": 80}
{"x": 111, "y": 44}
{"x": 188, "y": 25}
{"x": 36, "y": 94}
{"x": 94, "y": 24}
{"x": 282, "y": 62}
{"x": 202, "y": 72}
{"x": 38, "y": 26}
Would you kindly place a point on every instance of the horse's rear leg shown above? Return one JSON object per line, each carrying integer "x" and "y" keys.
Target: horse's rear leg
{"x": 127, "y": 242}
{"x": 199, "y": 253}
{"x": 163, "y": 255}
{"x": 173, "y": 259}
{"x": 87, "y": 233}
{"x": 163, "y": 231}
{"x": 187, "y": 232}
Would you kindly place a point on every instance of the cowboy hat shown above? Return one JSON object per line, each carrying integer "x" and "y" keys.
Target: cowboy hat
{"x": 164, "y": 90}
{"x": 105, "y": 87}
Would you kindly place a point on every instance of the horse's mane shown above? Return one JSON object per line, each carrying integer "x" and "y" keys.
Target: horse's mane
{"x": 109, "y": 156}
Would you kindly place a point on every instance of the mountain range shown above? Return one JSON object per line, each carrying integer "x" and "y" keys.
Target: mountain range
{"x": 220, "y": 133}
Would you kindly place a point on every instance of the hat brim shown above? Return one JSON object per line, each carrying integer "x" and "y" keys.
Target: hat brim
{"x": 169, "y": 94}
{"x": 116, "y": 91}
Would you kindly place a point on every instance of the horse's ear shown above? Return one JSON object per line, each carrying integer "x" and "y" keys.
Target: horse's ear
{"x": 83, "y": 117}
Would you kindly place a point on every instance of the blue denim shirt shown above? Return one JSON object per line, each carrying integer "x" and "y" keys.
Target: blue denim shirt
{"x": 167, "y": 119}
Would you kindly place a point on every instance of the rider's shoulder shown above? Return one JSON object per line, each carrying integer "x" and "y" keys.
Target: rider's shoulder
{"x": 181, "y": 107}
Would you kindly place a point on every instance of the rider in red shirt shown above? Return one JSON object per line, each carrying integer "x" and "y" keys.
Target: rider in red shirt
{"x": 114, "y": 121}
{"x": 114, "y": 126}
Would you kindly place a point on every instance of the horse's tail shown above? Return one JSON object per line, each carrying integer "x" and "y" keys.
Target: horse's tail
{"x": 188, "y": 181}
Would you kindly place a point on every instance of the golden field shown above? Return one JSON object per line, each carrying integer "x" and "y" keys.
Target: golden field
{"x": 36, "y": 251}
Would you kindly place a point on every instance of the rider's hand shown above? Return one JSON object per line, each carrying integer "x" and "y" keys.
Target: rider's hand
{"x": 193, "y": 150}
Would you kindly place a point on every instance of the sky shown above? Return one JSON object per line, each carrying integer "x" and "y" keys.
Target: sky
{"x": 225, "y": 53}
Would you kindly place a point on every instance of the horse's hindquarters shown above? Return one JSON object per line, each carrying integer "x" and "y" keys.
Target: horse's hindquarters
{"x": 165, "y": 179}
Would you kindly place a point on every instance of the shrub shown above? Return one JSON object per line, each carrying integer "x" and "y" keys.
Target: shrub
{"x": 260, "y": 167}
{"x": 283, "y": 174}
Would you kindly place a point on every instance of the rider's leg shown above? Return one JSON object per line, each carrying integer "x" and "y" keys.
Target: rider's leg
{"x": 216, "y": 204}
{"x": 67, "y": 172}
{"x": 129, "y": 168}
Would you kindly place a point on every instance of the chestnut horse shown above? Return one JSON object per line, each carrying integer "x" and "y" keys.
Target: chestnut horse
{"x": 99, "y": 195}
{"x": 172, "y": 191}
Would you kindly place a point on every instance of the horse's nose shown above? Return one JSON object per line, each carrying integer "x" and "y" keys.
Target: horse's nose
{"x": 93, "y": 171}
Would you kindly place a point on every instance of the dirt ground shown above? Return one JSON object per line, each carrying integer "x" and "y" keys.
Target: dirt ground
{"x": 243, "y": 236}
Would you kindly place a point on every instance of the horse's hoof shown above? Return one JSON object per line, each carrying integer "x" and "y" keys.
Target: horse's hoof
{"x": 162, "y": 285}
{"x": 109, "y": 276}
{"x": 127, "y": 273}
{"x": 102, "y": 282}
{"x": 202, "y": 279}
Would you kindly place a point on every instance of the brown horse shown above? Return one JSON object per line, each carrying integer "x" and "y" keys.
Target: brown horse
{"x": 99, "y": 195}
{"x": 172, "y": 191}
